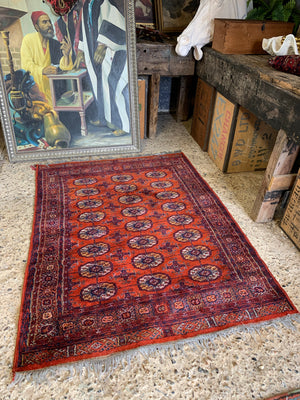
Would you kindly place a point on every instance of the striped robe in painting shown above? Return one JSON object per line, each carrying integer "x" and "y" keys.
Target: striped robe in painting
{"x": 103, "y": 23}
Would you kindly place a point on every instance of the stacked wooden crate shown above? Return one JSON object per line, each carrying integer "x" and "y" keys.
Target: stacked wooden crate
{"x": 290, "y": 222}
{"x": 235, "y": 139}
{"x": 203, "y": 110}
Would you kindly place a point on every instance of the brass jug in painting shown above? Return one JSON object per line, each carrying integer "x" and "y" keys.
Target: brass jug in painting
{"x": 56, "y": 133}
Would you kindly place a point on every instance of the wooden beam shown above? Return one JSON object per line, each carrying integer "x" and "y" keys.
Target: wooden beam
{"x": 282, "y": 182}
{"x": 290, "y": 222}
{"x": 281, "y": 162}
{"x": 156, "y": 57}
{"x": 186, "y": 88}
{"x": 153, "y": 103}
{"x": 249, "y": 81}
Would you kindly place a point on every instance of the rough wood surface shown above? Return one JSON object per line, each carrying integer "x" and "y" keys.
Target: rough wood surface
{"x": 291, "y": 220}
{"x": 233, "y": 36}
{"x": 202, "y": 115}
{"x": 153, "y": 102}
{"x": 142, "y": 83}
{"x": 222, "y": 131}
{"x": 281, "y": 163}
{"x": 161, "y": 58}
{"x": 282, "y": 182}
{"x": 251, "y": 82}
{"x": 186, "y": 89}
{"x": 252, "y": 143}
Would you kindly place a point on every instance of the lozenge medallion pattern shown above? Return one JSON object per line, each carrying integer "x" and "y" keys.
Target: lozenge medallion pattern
{"x": 131, "y": 252}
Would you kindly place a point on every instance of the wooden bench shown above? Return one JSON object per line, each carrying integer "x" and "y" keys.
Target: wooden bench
{"x": 272, "y": 96}
{"x": 157, "y": 59}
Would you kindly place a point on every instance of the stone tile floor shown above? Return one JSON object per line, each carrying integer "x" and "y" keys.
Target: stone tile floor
{"x": 239, "y": 366}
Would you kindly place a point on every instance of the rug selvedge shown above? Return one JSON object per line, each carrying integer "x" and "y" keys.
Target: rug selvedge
{"x": 134, "y": 252}
{"x": 295, "y": 395}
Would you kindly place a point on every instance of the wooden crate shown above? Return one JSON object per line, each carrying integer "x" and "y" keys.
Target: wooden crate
{"x": 252, "y": 144}
{"x": 234, "y": 36}
{"x": 290, "y": 222}
{"x": 142, "y": 91}
{"x": 202, "y": 114}
{"x": 239, "y": 141}
{"x": 221, "y": 131}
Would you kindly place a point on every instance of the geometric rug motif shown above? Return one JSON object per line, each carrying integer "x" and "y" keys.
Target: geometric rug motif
{"x": 134, "y": 252}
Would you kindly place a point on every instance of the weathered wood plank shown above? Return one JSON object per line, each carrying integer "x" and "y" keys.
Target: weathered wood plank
{"x": 281, "y": 162}
{"x": 203, "y": 111}
{"x": 161, "y": 58}
{"x": 242, "y": 79}
{"x": 186, "y": 88}
{"x": 291, "y": 219}
{"x": 252, "y": 143}
{"x": 282, "y": 182}
{"x": 234, "y": 36}
{"x": 153, "y": 103}
{"x": 181, "y": 66}
{"x": 142, "y": 84}
{"x": 281, "y": 80}
{"x": 152, "y": 59}
{"x": 222, "y": 131}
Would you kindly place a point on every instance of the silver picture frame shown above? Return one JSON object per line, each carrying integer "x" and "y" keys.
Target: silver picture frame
{"x": 74, "y": 97}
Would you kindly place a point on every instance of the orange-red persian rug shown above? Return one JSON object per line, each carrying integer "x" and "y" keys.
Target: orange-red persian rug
{"x": 287, "y": 396}
{"x": 134, "y": 252}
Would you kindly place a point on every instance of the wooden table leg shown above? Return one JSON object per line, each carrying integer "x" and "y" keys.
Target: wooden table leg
{"x": 83, "y": 130}
{"x": 277, "y": 178}
{"x": 153, "y": 103}
{"x": 186, "y": 87}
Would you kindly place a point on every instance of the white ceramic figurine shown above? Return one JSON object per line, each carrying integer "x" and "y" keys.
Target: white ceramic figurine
{"x": 199, "y": 32}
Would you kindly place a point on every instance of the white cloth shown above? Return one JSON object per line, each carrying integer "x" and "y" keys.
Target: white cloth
{"x": 276, "y": 47}
{"x": 200, "y": 30}
{"x": 103, "y": 23}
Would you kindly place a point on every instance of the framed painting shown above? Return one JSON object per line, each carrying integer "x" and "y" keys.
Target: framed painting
{"x": 145, "y": 13}
{"x": 2, "y": 145}
{"x": 68, "y": 84}
{"x": 174, "y": 16}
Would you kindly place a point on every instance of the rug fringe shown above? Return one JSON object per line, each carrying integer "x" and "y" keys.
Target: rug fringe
{"x": 103, "y": 367}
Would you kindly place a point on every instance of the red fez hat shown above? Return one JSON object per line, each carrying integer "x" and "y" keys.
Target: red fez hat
{"x": 36, "y": 15}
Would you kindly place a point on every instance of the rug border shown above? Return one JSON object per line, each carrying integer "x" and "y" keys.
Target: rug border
{"x": 292, "y": 395}
{"x": 246, "y": 238}
{"x": 26, "y": 274}
{"x": 189, "y": 337}
{"x": 201, "y": 341}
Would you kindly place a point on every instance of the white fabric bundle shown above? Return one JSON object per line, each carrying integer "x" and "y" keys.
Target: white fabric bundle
{"x": 200, "y": 30}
